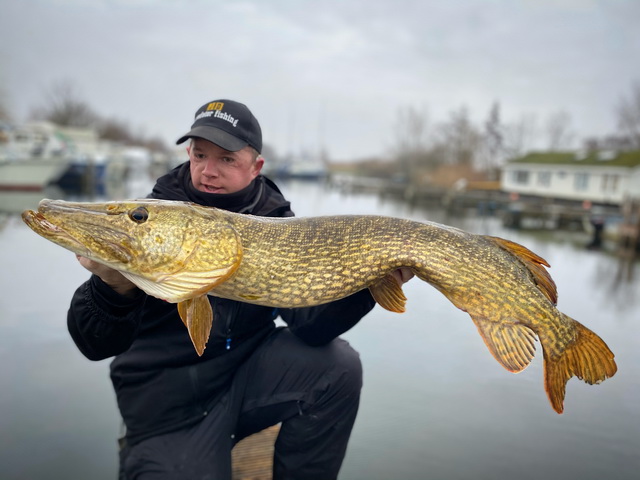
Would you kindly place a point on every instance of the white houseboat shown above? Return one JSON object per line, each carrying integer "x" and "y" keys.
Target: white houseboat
{"x": 605, "y": 178}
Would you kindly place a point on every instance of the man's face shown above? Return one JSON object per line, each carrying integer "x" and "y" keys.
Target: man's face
{"x": 216, "y": 170}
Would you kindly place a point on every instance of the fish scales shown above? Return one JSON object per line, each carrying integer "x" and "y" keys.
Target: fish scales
{"x": 317, "y": 260}
{"x": 347, "y": 253}
{"x": 183, "y": 252}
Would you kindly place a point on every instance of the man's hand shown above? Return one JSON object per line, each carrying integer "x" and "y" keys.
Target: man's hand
{"x": 402, "y": 275}
{"x": 111, "y": 277}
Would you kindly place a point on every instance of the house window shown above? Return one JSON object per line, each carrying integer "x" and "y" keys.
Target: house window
{"x": 544, "y": 179}
{"x": 581, "y": 182}
{"x": 610, "y": 182}
{"x": 521, "y": 177}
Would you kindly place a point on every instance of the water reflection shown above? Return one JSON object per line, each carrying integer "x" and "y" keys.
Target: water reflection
{"x": 12, "y": 202}
{"x": 435, "y": 403}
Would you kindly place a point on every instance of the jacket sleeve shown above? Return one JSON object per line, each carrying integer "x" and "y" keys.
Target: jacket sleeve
{"x": 103, "y": 323}
{"x": 319, "y": 325}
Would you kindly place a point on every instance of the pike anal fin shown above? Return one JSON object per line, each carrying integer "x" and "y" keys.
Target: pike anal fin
{"x": 587, "y": 358}
{"x": 197, "y": 315}
{"x": 388, "y": 294}
{"x": 512, "y": 344}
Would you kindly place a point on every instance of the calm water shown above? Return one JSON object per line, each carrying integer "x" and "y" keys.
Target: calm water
{"x": 435, "y": 403}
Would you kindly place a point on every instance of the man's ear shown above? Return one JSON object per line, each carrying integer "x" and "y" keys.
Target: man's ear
{"x": 258, "y": 164}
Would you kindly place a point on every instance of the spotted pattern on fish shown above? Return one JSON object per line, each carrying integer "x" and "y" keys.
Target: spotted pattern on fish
{"x": 180, "y": 252}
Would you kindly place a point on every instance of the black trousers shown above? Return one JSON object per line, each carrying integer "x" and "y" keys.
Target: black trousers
{"x": 313, "y": 391}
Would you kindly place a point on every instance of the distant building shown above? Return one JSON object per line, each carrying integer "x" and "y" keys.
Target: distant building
{"x": 604, "y": 177}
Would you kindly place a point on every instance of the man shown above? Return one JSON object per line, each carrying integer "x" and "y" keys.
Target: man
{"x": 184, "y": 413}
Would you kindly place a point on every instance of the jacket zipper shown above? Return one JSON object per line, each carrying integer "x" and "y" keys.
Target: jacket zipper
{"x": 233, "y": 313}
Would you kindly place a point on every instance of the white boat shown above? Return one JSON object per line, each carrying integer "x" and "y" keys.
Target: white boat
{"x": 304, "y": 167}
{"x": 30, "y": 174}
{"x": 31, "y": 157}
{"x": 38, "y": 154}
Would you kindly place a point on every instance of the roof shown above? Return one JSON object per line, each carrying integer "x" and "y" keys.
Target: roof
{"x": 604, "y": 159}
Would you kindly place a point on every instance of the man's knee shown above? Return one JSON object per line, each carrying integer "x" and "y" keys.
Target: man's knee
{"x": 290, "y": 369}
{"x": 348, "y": 367}
{"x": 337, "y": 366}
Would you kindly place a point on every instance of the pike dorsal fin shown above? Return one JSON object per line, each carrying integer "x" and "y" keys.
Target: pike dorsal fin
{"x": 511, "y": 344}
{"x": 535, "y": 264}
{"x": 388, "y": 294}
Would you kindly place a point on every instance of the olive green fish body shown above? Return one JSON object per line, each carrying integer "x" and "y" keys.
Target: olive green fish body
{"x": 181, "y": 252}
{"x": 308, "y": 261}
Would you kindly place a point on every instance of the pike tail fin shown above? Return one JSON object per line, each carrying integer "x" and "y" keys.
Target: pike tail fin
{"x": 587, "y": 358}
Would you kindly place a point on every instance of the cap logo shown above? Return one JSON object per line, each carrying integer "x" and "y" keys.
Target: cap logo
{"x": 215, "y": 109}
{"x": 215, "y": 106}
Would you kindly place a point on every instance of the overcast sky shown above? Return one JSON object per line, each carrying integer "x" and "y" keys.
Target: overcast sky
{"x": 331, "y": 73}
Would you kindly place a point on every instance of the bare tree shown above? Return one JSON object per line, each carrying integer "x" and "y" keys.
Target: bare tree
{"x": 462, "y": 139}
{"x": 5, "y": 114}
{"x": 558, "y": 131}
{"x": 116, "y": 130}
{"x": 64, "y": 107}
{"x": 411, "y": 135}
{"x": 493, "y": 138}
{"x": 519, "y": 136}
{"x": 629, "y": 116}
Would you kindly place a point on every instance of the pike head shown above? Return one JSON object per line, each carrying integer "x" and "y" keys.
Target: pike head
{"x": 176, "y": 251}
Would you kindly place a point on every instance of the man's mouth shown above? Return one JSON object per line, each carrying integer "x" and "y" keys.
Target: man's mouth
{"x": 211, "y": 188}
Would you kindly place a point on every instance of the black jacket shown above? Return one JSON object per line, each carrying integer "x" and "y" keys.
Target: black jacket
{"x": 160, "y": 382}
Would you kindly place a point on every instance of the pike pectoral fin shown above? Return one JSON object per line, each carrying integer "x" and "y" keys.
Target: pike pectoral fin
{"x": 197, "y": 316}
{"x": 512, "y": 344}
{"x": 389, "y": 294}
{"x": 587, "y": 358}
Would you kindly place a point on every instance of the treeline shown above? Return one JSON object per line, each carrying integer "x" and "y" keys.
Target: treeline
{"x": 64, "y": 107}
{"x": 422, "y": 147}
{"x": 419, "y": 144}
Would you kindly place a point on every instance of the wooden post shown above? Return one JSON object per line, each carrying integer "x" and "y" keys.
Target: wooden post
{"x": 252, "y": 457}
{"x": 629, "y": 230}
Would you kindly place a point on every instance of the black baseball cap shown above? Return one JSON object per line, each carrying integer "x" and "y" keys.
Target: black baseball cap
{"x": 228, "y": 124}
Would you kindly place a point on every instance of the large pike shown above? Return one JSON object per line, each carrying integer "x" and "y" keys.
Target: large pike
{"x": 180, "y": 252}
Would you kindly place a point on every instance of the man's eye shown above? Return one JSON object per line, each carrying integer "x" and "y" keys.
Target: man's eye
{"x": 228, "y": 159}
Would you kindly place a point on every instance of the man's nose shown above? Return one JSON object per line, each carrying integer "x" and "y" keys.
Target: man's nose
{"x": 210, "y": 169}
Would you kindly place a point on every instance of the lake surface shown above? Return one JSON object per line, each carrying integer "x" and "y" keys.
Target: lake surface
{"x": 435, "y": 403}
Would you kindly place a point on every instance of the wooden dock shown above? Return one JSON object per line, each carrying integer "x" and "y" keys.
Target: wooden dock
{"x": 546, "y": 215}
{"x": 252, "y": 458}
{"x": 629, "y": 230}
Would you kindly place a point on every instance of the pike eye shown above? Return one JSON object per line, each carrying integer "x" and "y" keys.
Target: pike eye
{"x": 139, "y": 215}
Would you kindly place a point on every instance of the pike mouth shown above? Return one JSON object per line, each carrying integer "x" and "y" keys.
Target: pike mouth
{"x": 44, "y": 227}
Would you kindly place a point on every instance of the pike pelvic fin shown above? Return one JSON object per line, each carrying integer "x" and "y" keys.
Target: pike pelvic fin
{"x": 197, "y": 316}
{"x": 535, "y": 264}
{"x": 388, "y": 294}
{"x": 587, "y": 358}
{"x": 511, "y": 344}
